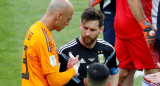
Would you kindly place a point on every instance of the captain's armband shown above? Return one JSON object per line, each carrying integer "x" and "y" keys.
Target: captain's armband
{"x": 113, "y": 71}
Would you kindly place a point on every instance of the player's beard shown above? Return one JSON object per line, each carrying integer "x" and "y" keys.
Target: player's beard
{"x": 88, "y": 40}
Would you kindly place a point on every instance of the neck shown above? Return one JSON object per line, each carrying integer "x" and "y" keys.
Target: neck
{"x": 90, "y": 46}
{"x": 47, "y": 22}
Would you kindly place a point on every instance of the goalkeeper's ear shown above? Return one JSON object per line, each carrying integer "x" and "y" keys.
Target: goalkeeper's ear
{"x": 101, "y": 29}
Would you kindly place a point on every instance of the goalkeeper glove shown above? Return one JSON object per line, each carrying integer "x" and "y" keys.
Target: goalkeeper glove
{"x": 149, "y": 33}
{"x": 92, "y": 3}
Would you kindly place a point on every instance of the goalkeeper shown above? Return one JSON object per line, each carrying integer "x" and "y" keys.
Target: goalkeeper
{"x": 40, "y": 65}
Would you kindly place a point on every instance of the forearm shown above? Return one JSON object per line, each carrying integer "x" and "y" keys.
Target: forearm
{"x": 60, "y": 78}
{"x": 136, "y": 9}
{"x": 92, "y": 3}
{"x": 114, "y": 79}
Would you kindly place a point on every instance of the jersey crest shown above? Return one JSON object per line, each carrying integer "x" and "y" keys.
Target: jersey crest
{"x": 101, "y": 57}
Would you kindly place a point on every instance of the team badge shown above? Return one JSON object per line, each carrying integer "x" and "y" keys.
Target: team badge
{"x": 101, "y": 57}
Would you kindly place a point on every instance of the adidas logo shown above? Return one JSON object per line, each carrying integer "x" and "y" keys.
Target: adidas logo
{"x": 91, "y": 59}
{"x": 82, "y": 61}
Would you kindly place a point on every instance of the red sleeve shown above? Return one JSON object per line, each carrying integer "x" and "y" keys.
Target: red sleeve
{"x": 92, "y": 3}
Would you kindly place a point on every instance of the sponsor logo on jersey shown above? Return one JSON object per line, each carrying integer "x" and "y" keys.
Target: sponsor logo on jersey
{"x": 91, "y": 59}
{"x": 82, "y": 61}
{"x": 101, "y": 57}
{"x": 52, "y": 60}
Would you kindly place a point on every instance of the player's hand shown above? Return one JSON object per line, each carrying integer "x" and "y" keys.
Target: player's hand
{"x": 72, "y": 61}
{"x": 149, "y": 33}
{"x": 76, "y": 67}
{"x": 154, "y": 78}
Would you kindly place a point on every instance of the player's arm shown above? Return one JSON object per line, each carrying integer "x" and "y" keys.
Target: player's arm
{"x": 58, "y": 79}
{"x": 114, "y": 76}
{"x": 48, "y": 58}
{"x": 113, "y": 63}
{"x": 64, "y": 77}
{"x": 114, "y": 79}
{"x": 136, "y": 9}
{"x": 92, "y": 3}
{"x": 138, "y": 13}
{"x": 148, "y": 29}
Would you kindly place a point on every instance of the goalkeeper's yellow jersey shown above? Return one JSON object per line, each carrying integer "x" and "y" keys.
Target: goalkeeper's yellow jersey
{"x": 39, "y": 56}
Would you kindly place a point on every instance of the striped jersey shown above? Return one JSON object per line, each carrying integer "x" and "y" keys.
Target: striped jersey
{"x": 103, "y": 52}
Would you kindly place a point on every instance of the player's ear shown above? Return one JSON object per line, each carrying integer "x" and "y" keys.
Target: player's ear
{"x": 85, "y": 81}
{"x": 101, "y": 29}
{"x": 81, "y": 24}
{"x": 59, "y": 15}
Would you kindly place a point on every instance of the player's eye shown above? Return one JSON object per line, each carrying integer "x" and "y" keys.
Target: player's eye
{"x": 93, "y": 29}
{"x": 84, "y": 27}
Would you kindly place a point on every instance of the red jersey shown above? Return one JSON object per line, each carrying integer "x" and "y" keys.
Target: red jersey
{"x": 150, "y": 8}
{"x": 147, "y": 8}
{"x": 126, "y": 26}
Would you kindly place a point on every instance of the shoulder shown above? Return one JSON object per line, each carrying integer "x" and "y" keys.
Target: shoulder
{"x": 36, "y": 30}
{"x": 39, "y": 34}
{"x": 67, "y": 46}
{"x": 104, "y": 43}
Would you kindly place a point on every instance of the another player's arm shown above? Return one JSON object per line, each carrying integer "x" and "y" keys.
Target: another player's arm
{"x": 113, "y": 68}
{"x": 58, "y": 79}
{"x": 92, "y": 3}
{"x": 64, "y": 77}
{"x": 114, "y": 79}
{"x": 148, "y": 29}
{"x": 114, "y": 76}
{"x": 50, "y": 66}
{"x": 136, "y": 9}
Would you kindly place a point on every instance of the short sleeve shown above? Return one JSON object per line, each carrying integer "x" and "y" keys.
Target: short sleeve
{"x": 112, "y": 63}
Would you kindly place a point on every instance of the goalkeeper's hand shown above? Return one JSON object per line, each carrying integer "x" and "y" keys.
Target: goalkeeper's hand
{"x": 72, "y": 61}
{"x": 149, "y": 33}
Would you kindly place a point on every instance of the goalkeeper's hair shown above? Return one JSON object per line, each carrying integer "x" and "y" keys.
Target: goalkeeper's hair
{"x": 97, "y": 75}
{"x": 91, "y": 14}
